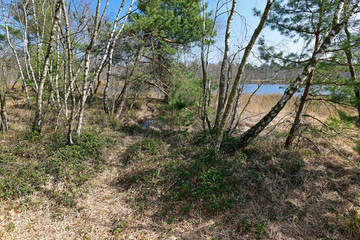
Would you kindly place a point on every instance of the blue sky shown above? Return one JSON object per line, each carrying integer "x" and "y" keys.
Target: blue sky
{"x": 242, "y": 27}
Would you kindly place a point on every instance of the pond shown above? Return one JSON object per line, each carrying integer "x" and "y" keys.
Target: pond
{"x": 279, "y": 89}
{"x": 265, "y": 88}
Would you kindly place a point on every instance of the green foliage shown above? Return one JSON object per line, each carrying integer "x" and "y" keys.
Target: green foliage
{"x": 178, "y": 21}
{"x": 344, "y": 121}
{"x": 301, "y": 18}
{"x": 76, "y": 163}
{"x": 118, "y": 229}
{"x": 184, "y": 99}
{"x": 21, "y": 174}
{"x": 202, "y": 179}
{"x": 352, "y": 222}
{"x": 357, "y": 148}
{"x": 206, "y": 180}
{"x": 104, "y": 120}
{"x": 19, "y": 177}
{"x": 147, "y": 146}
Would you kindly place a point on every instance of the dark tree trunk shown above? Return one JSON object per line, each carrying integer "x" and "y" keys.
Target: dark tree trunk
{"x": 295, "y": 125}
{"x": 120, "y": 102}
{"x": 349, "y": 57}
{"x": 3, "y": 126}
{"x": 119, "y": 106}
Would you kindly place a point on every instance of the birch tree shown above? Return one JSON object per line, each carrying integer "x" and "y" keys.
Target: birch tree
{"x": 39, "y": 98}
{"x": 110, "y": 51}
{"x": 6, "y": 18}
{"x": 3, "y": 117}
{"x": 224, "y": 66}
{"x": 310, "y": 21}
{"x": 340, "y": 19}
{"x": 240, "y": 72}
{"x": 85, "y": 84}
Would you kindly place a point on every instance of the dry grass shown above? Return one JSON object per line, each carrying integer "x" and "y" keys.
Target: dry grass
{"x": 283, "y": 194}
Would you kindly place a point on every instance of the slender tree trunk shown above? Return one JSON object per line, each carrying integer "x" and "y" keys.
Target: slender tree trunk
{"x": 239, "y": 92}
{"x": 120, "y": 103}
{"x": 235, "y": 109}
{"x": 85, "y": 87}
{"x": 110, "y": 50}
{"x": 253, "y": 132}
{"x": 16, "y": 55}
{"x": 37, "y": 37}
{"x": 349, "y": 57}
{"x": 71, "y": 78}
{"x": 237, "y": 116}
{"x": 204, "y": 64}
{"x": 57, "y": 90}
{"x": 107, "y": 86}
{"x": 119, "y": 106}
{"x": 240, "y": 72}
{"x": 28, "y": 64}
{"x": 295, "y": 126}
{"x": 296, "y": 123}
{"x": 3, "y": 118}
{"x": 204, "y": 71}
{"x": 38, "y": 114}
{"x": 224, "y": 67}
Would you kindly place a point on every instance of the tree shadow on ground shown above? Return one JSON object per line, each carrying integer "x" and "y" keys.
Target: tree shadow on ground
{"x": 264, "y": 192}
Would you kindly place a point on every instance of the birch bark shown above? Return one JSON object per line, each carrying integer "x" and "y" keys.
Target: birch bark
{"x": 240, "y": 73}
{"x": 37, "y": 124}
{"x": 246, "y": 138}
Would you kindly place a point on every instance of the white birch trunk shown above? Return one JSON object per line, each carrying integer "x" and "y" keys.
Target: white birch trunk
{"x": 240, "y": 73}
{"x": 253, "y": 132}
{"x": 15, "y": 54}
{"x": 38, "y": 114}
{"x": 224, "y": 66}
{"x": 85, "y": 86}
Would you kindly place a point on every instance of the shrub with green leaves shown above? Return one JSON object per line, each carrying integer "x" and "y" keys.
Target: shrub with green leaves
{"x": 147, "y": 146}
{"x": 184, "y": 100}
{"x": 21, "y": 174}
{"x": 78, "y": 162}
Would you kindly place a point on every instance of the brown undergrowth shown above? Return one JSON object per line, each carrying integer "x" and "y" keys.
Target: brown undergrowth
{"x": 126, "y": 181}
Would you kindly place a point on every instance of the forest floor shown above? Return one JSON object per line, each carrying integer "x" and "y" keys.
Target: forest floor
{"x": 127, "y": 180}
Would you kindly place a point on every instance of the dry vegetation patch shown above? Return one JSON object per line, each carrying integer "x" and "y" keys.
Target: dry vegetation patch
{"x": 126, "y": 181}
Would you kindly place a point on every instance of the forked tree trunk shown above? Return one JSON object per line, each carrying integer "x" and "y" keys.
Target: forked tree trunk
{"x": 239, "y": 74}
{"x": 37, "y": 124}
{"x": 86, "y": 83}
{"x": 224, "y": 67}
{"x": 246, "y": 138}
{"x": 110, "y": 51}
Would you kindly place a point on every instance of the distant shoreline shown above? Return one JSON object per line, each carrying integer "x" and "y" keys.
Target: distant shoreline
{"x": 269, "y": 81}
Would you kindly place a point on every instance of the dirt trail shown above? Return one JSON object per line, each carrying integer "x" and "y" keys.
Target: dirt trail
{"x": 95, "y": 216}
